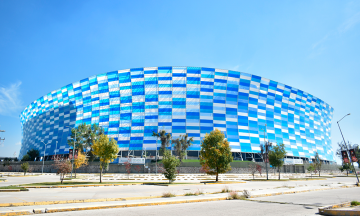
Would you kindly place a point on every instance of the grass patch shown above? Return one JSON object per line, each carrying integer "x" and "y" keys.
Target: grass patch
{"x": 225, "y": 190}
{"x": 168, "y": 194}
{"x": 234, "y": 195}
{"x": 306, "y": 179}
{"x": 266, "y": 180}
{"x": 196, "y": 193}
{"x": 14, "y": 187}
{"x": 355, "y": 203}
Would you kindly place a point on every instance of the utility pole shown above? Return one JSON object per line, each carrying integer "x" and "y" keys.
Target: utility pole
{"x": 0, "y": 137}
{"x": 347, "y": 149}
{"x": 42, "y": 170}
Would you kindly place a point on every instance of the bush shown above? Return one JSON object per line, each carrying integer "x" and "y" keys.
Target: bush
{"x": 355, "y": 203}
{"x": 168, "y": 194}
{"x": 196, "y": 193}
{"x": 26, "y": 158}
{"x": 235, "y": 195}
{"x": 25, "y": 167}
{"x": 225, "y": 190}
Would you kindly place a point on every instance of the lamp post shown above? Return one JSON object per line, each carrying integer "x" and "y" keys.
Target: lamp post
{"x": 42, "y": 170}
{"x": 347, "y": 149}
{"x": 72, "y": 159}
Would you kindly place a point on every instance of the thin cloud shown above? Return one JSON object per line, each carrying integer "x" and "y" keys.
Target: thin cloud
{"x": 237, "y": 67}
{"x": 10, "y": 102}
{"x": 18, "y": 143}
{"x": 350, "y": 23}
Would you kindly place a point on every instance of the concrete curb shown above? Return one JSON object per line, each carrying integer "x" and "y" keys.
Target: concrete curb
{"x": 333, "y": 211}
{"x": 84, "y": 185}
{"x": 53, "y": 210}
{"x": 9, "y": 190}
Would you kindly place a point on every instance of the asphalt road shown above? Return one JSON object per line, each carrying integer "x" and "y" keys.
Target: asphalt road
{"x": 318, "y": 198}
{"x": 29, "y": 179}
{"x": 55, "y": 194}
{"x": 228, "y": 208}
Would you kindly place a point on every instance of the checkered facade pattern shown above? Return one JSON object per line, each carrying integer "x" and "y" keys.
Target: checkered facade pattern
{"x": 131, "y": 104}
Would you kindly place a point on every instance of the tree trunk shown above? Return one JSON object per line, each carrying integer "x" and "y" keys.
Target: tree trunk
{"x": 75, "y": 173}
{"x": 61, "y": 178}
{"x": 100, "y": 173}
{"x": 217, "y": 176}
{"x": 279, "y": 172}
{"x": 319, "y": 173}
{"x": 347, "y": 173}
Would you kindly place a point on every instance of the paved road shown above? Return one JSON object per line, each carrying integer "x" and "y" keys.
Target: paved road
{"x": 228, "y": 208}
{"x": 296, "y": 204}
{"x": 318, "y": 198}
{"x": 29, "y": 179}
{"x": 56, "y": 194}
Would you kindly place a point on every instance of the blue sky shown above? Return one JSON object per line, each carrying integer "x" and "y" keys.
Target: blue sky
{"x": 310, "y": 45}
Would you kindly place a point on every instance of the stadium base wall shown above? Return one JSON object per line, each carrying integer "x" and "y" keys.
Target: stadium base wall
{"x": 93, "y": 167}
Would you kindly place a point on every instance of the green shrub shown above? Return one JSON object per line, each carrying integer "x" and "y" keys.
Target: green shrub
{"x": 355, "y": 203}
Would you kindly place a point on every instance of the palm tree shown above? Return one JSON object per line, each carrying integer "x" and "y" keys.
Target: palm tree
{"x": 164, "y": 138}
{"x": 182, "y": 144}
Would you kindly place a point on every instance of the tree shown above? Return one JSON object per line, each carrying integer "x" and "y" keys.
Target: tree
{"x": 25, "y": 158}
{"x": 93, "y": 133}
{"x": 85, "y": 137}
{"x": 80, "y": 161}
{"x": 25, "y": 167}
{"x": 252, "y": 169}
{"x": 317, "y": 162}
{"x": 128, "y": 167}
{"x": 138, "y": 168}
{"x": 311, "y": 169}
{"x": 63, "y": 167}
{"x": 216, "y": 153}
{"x": 204, "y": 168}
{"x": 259, "y": 168}
{"x": 170, "y": 163}
{"x": 181, "y": 145}
{"x": 276, "y": 156}
{"x": 106, "y": 150}
{"x": 33, "y": 153}
{"x": 347, "y": 167}
{"x": 164, "y": 138}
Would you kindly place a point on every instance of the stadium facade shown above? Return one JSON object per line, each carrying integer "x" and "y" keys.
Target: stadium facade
{"x": 131, "y": 104}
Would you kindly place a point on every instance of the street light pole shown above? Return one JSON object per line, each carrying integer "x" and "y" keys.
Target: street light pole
{"x": 55, "y": 148}
{"x": 42, "y": 170}
{"x": 347, "y": 149}
{"x": 266, "y": 154}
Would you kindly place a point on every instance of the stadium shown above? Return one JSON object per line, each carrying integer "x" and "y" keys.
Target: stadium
{"x": 131, "y": 104}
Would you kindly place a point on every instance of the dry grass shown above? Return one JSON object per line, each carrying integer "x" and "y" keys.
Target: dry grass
{"x": 168, "y": 194}
{"x": 225, "y": 190}
{"x": 235, "y": 195}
